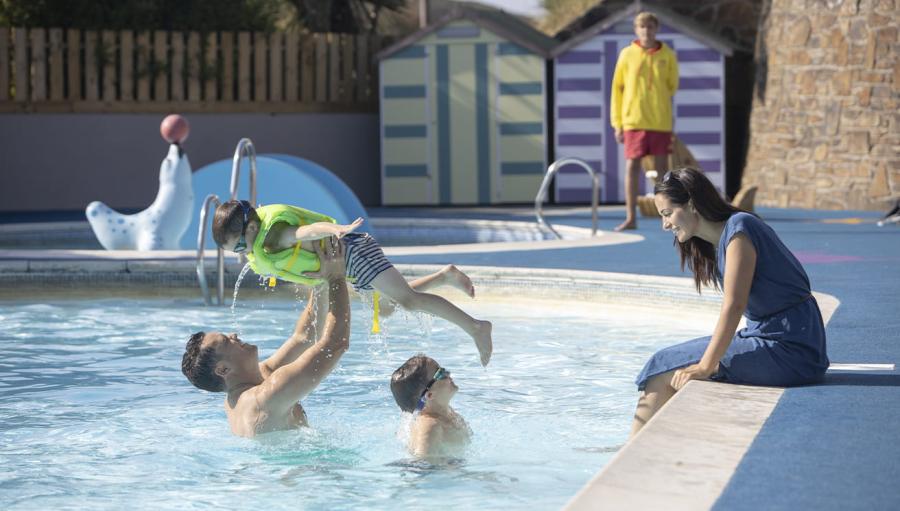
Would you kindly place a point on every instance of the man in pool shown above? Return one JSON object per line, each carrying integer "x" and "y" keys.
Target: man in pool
{"x": 263, "y": 397}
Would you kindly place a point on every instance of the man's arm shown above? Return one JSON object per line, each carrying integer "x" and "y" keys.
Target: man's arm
{"x": 291, "y": 382}
{"x": 615, "y": 99}
{"x": 304, "y": 335}
{"x": 673, "y": 74}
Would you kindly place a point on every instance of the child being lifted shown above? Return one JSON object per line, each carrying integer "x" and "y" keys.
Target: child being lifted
{"x": 278, "y": 240}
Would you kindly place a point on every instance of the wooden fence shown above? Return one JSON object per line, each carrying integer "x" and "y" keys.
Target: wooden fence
{"x": 66, "y": 70}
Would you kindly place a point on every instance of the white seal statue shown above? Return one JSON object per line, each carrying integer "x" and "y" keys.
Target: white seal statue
{"x": 160, "y": 226}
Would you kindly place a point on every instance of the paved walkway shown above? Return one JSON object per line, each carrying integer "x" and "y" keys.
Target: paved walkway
{"x": 832, "y": 446}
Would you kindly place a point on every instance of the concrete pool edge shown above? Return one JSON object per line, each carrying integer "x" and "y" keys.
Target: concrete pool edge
{"x": 682, "y": 459}
{"x": 480, "y": 236}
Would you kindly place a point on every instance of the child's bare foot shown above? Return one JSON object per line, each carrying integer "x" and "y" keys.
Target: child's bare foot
{"x": 626, "y": 226}
{"x": 483, "y": 341}
{"x": 456, "y": 278}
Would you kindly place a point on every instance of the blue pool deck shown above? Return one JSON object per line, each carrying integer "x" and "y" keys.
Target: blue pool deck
{"x": 833, "y": 446}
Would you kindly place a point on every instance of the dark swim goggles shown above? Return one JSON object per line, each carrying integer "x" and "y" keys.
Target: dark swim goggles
{"x": 242, "y": 243}
{"x": 440, "y": 374}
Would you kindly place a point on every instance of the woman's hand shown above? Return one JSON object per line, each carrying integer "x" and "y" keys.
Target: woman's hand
{"x": 691, "y": 372}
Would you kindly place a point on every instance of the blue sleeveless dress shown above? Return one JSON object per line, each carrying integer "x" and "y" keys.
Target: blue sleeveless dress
{"x": 783, "y": 343}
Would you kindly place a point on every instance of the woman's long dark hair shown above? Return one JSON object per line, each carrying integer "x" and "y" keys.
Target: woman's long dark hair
{"x": 688, "y": 184}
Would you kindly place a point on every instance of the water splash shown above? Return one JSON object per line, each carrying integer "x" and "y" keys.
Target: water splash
{"x": 378, "y": 346}
{"x": 314, "y": 303}
{"x": 367, "y": 298}
{"x": 237, "y": 286}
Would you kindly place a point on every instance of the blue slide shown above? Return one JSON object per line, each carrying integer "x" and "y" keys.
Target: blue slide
{"x": 280, "y": 179}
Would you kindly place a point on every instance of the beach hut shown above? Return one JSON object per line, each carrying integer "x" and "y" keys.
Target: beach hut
{"x": 463, "y": 106}
{"x": 583, "y": 72}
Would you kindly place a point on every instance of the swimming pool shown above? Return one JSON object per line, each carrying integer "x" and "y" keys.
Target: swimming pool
{"x": 94, "y": 411}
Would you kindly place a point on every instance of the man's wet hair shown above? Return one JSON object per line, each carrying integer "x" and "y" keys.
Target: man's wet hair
{"x": 229, "y": 220}
{"x": 199, "y": 364}
{"x": 409, "y": 380}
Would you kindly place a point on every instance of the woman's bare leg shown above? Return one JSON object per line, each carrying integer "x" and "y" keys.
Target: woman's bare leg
{"x": 657, "y": 392}
{"x": 395, "y": 287}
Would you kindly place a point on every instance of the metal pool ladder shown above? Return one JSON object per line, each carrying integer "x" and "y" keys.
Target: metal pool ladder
{"x": 244, "y": 146}
{"x": 545, "y": 187}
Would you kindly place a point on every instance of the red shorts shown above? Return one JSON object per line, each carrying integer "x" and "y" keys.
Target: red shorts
{"x": 639, "y": 143}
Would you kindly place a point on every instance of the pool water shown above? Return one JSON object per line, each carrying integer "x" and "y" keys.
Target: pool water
{"x": 95, "y": 413}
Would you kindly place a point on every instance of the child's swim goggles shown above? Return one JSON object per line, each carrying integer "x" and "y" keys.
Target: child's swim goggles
{"x": 242, "y": 243}
{"x": 440, "y": 374}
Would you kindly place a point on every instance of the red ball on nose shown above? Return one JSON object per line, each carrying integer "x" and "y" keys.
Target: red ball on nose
{"x": 174, "y": 129}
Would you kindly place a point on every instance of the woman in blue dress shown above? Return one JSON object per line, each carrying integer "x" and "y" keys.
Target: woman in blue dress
{"x": 783, "y": 343}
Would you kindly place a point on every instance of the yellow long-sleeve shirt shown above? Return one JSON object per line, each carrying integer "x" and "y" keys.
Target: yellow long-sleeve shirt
{"x": 642, "y": 88}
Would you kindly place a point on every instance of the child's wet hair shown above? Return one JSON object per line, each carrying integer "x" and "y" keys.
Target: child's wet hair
{"x": 410, "y": 379}
{"x": 229, "y": 221}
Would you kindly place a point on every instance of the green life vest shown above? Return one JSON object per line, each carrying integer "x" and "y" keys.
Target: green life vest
{"x": 288, "y": 264}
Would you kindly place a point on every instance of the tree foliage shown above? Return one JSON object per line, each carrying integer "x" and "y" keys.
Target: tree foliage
{"x": 559, "y": 13}
{"x": 345, "y": 16}
{"x": 199, "y": 15}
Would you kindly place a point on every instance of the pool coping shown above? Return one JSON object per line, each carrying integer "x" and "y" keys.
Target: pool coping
{"x": 682, "y": 459}
{"x": 572, "y": 237}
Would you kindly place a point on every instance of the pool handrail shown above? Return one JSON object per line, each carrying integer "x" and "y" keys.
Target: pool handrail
{"x": 545, "y": 187}
{"x": 220, "y": 256}
{"x": 244, "y": 145}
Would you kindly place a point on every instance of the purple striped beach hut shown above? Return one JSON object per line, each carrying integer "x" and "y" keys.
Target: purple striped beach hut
{"x": 583, "y": 72}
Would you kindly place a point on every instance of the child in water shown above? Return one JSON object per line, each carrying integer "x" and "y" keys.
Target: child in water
{"x": 278, "y": 240}
{"x": 422, "y": 385}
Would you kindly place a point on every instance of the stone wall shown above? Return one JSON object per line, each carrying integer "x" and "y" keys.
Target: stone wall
{"x": 824, "y": 127}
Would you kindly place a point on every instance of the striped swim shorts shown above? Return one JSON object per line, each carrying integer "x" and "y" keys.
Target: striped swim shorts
{"x": 364, "y": 259}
